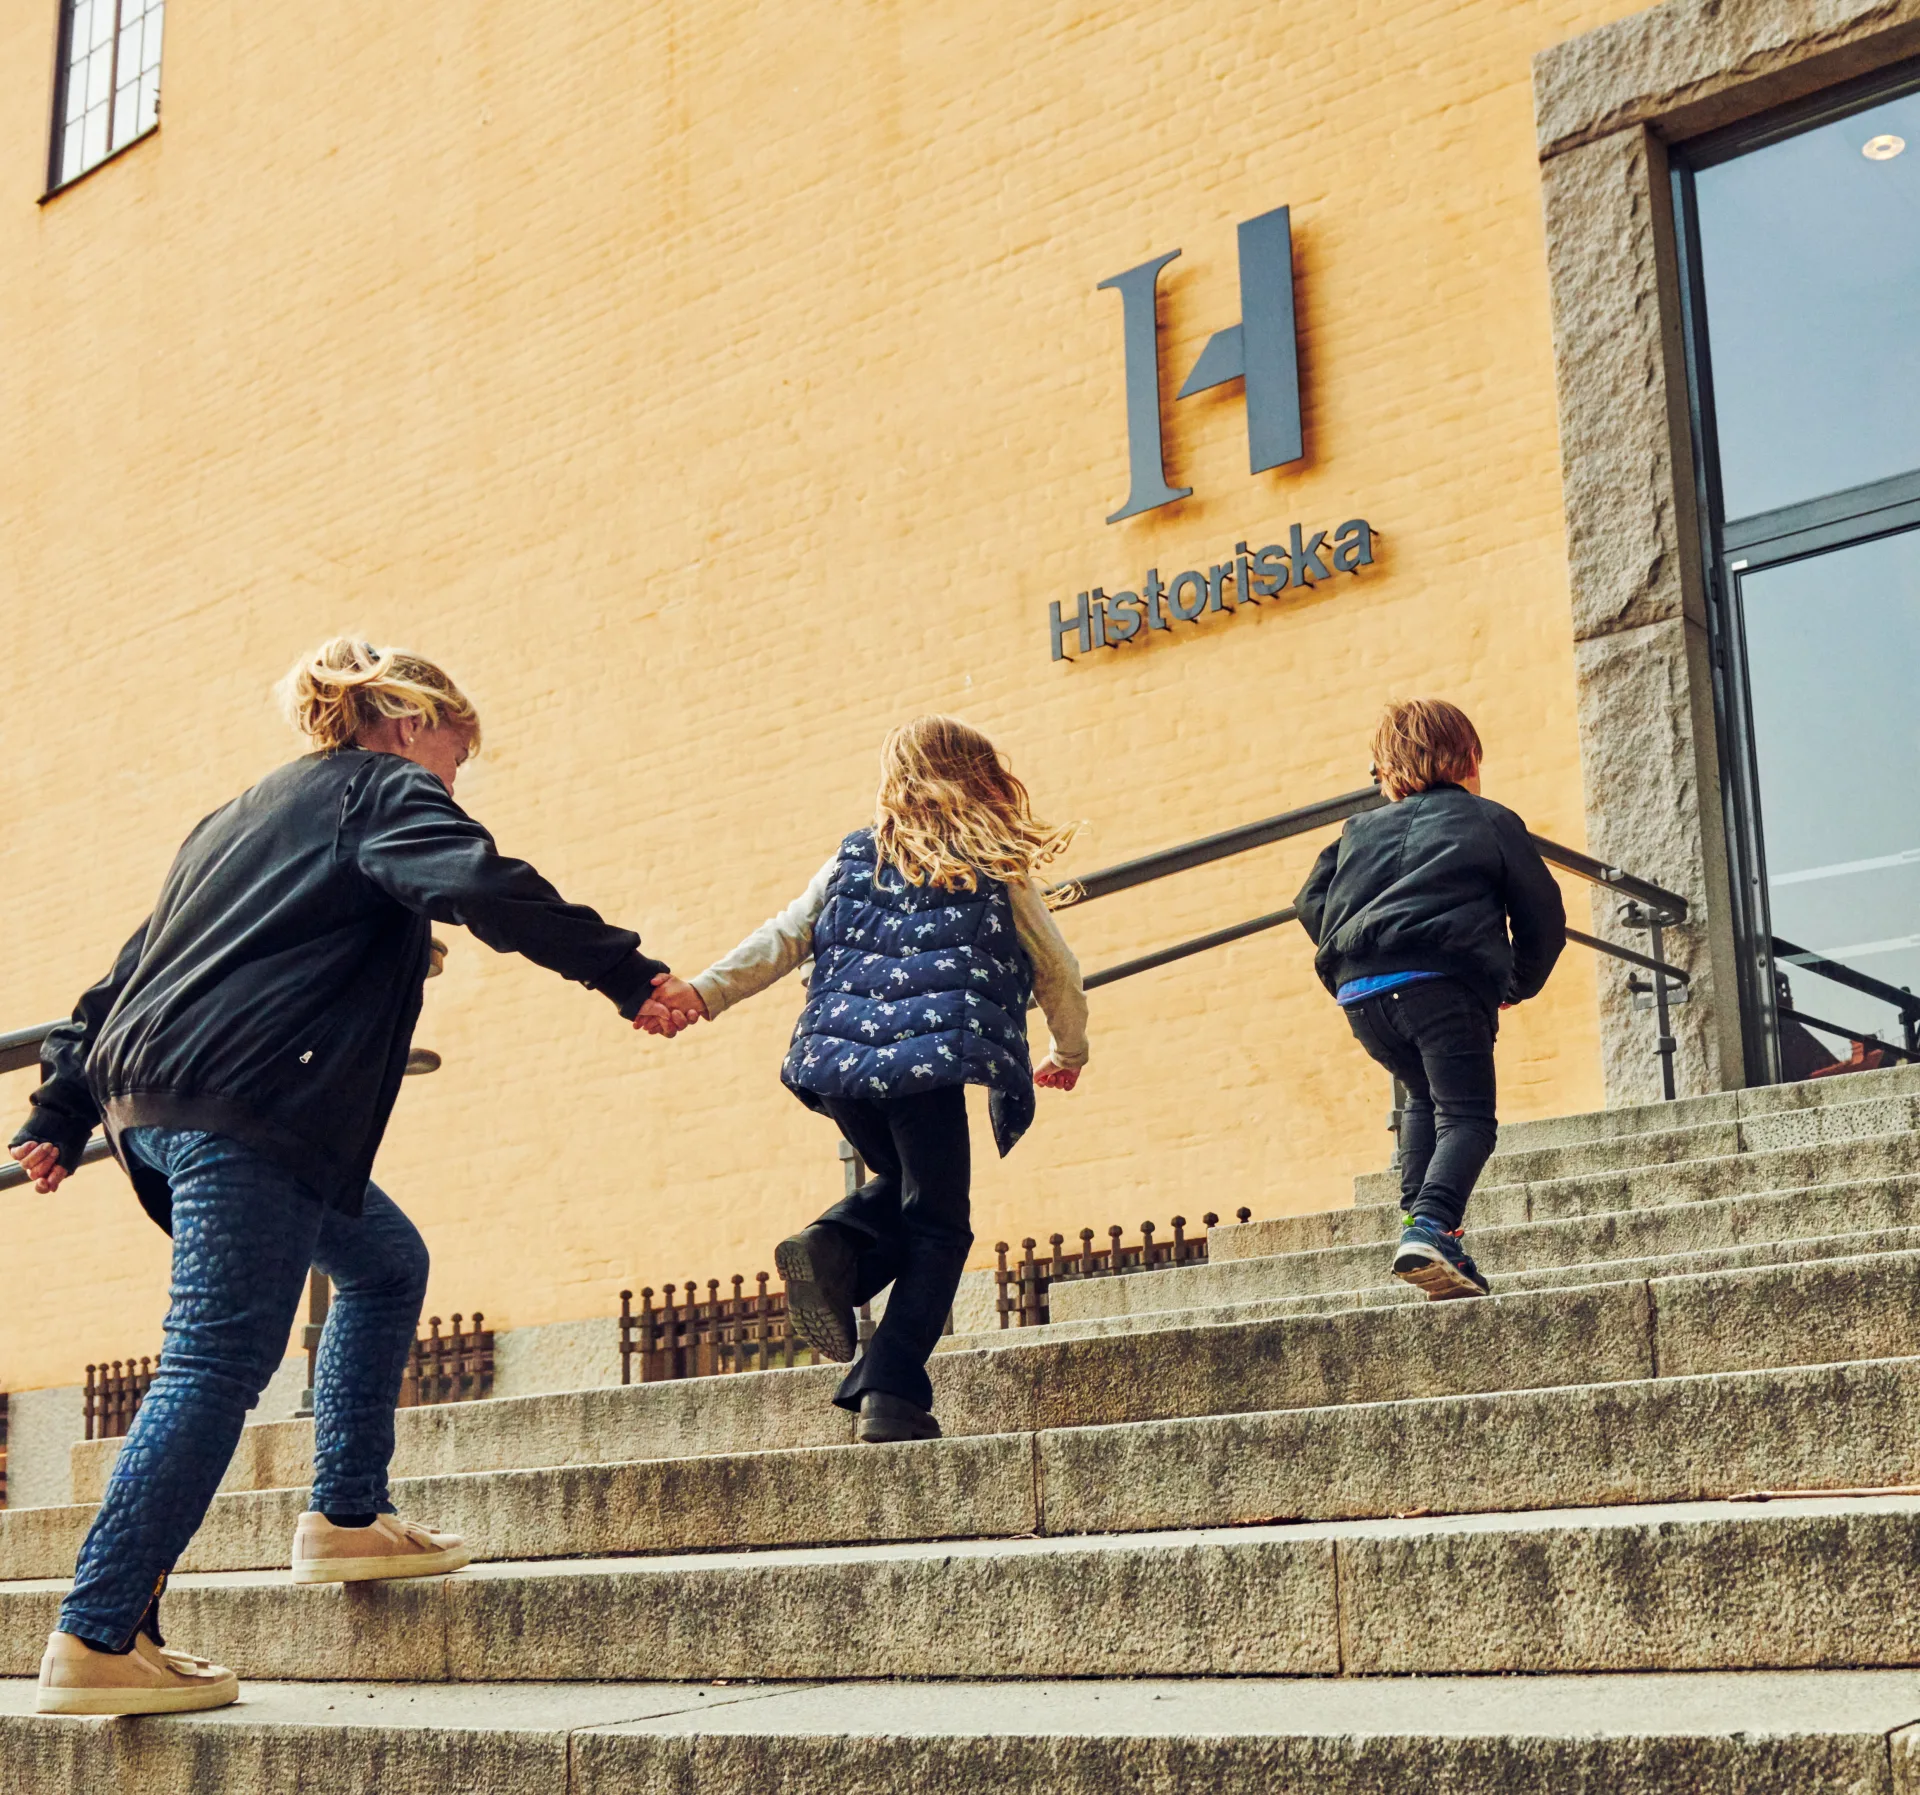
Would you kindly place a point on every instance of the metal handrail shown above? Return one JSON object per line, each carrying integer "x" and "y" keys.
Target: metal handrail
{"x": 12, "y": 1173}
{"x": 1214, "y": 847}
{"x": 21, "y": 1048}
{"x": 1908, "y": 1053}
{"x": 1649, "y": 908}
{"x": 1896, "y": 997}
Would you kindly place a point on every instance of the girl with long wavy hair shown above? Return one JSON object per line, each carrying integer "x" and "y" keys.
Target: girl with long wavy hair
{"x": 929, "y": 934}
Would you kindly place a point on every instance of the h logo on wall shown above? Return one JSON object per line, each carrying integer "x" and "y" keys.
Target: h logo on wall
{"x": 1260, "y": 349}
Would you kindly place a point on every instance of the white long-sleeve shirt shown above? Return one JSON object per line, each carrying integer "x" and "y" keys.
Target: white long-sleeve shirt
{"x": 783, "y": 942}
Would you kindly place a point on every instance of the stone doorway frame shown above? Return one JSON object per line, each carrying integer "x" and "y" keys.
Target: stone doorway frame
{"x": 1606, "y": 105}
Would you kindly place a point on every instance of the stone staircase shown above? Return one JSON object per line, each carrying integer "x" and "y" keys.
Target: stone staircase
{"x": 1270, "y": 1523}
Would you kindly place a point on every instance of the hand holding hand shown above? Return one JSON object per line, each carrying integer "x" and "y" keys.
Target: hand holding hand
{"x": 1056, "y": 1078}
{"x": 674, "y": 1005}
{"x": 42, "y": 1160}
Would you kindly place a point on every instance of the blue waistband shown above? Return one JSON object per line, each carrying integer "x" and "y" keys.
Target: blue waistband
{"x": 1358, "y": 990}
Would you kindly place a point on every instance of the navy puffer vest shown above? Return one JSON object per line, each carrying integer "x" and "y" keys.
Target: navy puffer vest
{"x": 912, "y": 989}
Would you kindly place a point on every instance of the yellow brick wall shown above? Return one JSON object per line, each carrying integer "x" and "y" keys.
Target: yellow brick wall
{"x": 712, "y": 387}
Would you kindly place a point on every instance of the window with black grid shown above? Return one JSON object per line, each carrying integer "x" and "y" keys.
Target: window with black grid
{"x": 109, "y": 81}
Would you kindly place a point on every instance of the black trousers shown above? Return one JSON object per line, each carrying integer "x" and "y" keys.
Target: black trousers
{"x": 1436, "y": 1037}
{"x": 914, "y": 1219}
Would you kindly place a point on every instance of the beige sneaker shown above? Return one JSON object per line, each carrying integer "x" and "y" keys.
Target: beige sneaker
{"x": 391, "y": 1547}
{"x": 150, "y": 1679}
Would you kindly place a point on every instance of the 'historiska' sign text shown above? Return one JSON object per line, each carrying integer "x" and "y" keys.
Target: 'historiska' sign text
{"x": 1103, "y": 620}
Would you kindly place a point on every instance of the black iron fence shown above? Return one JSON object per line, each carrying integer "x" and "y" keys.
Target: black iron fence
{"x": 453, "y": 1367}
{"x": 114, "y": 1393}
{"x": 687, "y": 1335}
{"x": 1021, "y": 1287}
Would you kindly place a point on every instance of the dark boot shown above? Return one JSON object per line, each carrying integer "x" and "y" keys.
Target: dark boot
{"x": 819, "y": 1265}
{"x": 885, "y": 1419}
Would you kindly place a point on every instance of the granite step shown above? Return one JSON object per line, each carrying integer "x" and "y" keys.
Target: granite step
{"x": 1818, "y": 1127}
{"x": 1596, "y": 1445}
{"x": 1718, "y": 1106}
{"x": 1858, "y": 1159}
{"x": 1759, "y": 1733}
{"x": 1874, "y": 1208}
{"x": 1821, "y": 1583}
{"x": 1819, "y": 1312}
{"x": 1387, "y": 1291}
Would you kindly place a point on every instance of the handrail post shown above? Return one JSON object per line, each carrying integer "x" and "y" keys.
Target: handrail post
{"x": 1656, "y": 945}
{"x": 1655, "y": 921}
{"x": 1395, "y": 1117}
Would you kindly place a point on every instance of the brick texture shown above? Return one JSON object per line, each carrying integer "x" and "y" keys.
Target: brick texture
{"x": 712, "y": 387}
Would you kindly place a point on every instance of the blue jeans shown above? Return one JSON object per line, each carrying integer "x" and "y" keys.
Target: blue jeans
{"x": 244, "y": 1234}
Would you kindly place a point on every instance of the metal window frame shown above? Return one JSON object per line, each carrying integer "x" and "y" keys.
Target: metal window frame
{"x": 62, "y": 76}
{"x": 1728, "y": 548}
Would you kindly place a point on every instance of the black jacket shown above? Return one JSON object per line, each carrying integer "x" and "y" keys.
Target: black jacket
{"x": 1432, "y": 884}
{"x": 272, "y": 993}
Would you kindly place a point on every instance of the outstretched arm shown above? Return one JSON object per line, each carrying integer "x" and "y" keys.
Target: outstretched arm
{"x": 766, "y": 956}
{"x": 64, "y": 1112}
{"x": 1057, "y": 987}
{"x": 410, "y": 839}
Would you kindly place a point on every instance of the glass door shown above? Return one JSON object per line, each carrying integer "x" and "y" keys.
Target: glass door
{"x": 1800, "y": 251}
{"x": 1833, "y": 689}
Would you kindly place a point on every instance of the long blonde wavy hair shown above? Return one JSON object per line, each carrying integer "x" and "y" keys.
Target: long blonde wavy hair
{"x": 346, "y": 686}
{"x": 949, "y": 813}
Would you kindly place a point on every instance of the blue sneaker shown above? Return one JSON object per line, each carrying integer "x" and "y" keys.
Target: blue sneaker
{"x": 1434, "y": 1261}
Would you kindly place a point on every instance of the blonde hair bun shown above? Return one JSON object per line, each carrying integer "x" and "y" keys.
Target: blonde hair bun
{"x": 346, "y": 686}
{"x": 949, "y": 813}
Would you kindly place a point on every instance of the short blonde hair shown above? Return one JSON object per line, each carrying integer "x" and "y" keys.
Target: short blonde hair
{"x": 1423, "y": 742}
{"x": 345, "y": 686}
{"x": 949, "y": 812}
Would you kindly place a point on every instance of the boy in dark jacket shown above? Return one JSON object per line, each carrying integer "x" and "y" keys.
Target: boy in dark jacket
{"x": 1432, "y": 915}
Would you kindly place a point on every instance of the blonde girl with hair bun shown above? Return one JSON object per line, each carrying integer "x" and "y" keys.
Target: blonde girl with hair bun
{"x": 346, "y": 686}
{"x": 929, "y": 934}
{"x": 244, "y": 1054}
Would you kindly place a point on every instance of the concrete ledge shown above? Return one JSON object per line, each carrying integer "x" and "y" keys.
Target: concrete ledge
{"x": 1020, "y": 1385}
{"x": 1764, "y": 1734}
{"x": 1800, "y": 1167}
{"x": 1664, "y": 1440}
{"x": 1614, "y": 1243}
{"x": 1674, "y": 1439}
{"x": 1817, "y": 1584}
{"x": 1825, "y": 1311}
{"x": 1628, "y": 1119}
{"x": 1706, "y": 1586}
{"x": 1889, "y": 1118}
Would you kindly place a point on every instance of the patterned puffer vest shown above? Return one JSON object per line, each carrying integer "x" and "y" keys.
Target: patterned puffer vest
{"x": 912, "y": 989}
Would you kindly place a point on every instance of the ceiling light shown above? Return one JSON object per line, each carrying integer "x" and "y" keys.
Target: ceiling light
{"x": 1883, "y": 148}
